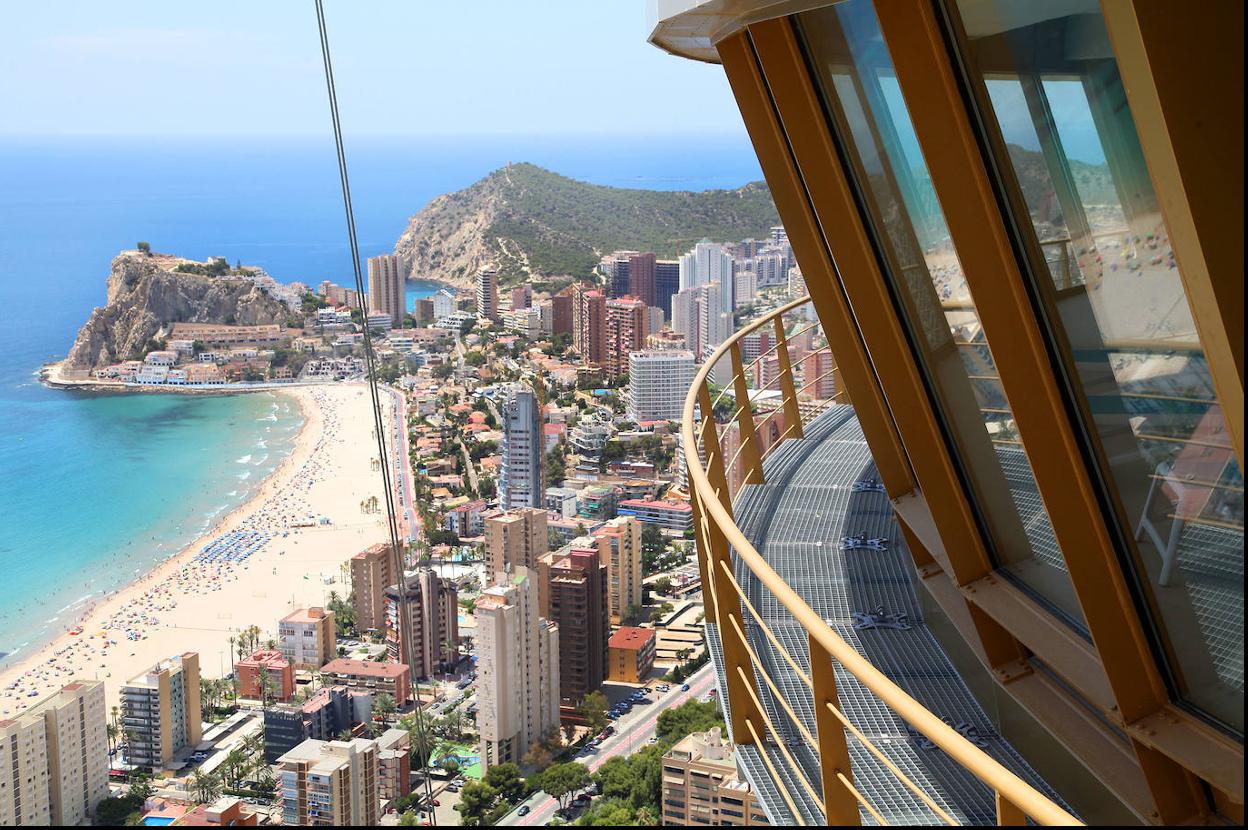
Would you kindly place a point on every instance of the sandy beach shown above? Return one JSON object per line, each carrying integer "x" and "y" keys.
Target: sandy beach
{"x": 281, "y": 550}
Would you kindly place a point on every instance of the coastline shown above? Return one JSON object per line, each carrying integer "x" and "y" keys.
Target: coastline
{"x": 183, "y": 604}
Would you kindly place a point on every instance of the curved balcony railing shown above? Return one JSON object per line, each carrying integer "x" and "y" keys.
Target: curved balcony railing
{"x": 714, "y": 482}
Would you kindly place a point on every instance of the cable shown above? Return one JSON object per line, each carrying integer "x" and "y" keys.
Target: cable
{"x": 370, "y": 359}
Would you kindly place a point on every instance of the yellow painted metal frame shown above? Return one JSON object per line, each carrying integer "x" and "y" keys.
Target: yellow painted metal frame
{"x": 928, "y": 84}
{"x": 786, "y": 141}
{"x": 1182, "y": 66}
{"x": 717, "y": 535}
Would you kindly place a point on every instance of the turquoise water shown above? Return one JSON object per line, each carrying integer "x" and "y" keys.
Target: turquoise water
{"x": 121, "y": 482}
{"x": 94, "y": 489}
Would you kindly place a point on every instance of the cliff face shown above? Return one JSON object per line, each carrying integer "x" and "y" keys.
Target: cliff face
{"x": 527, "y": 221}
{"x": 145, "y": 295}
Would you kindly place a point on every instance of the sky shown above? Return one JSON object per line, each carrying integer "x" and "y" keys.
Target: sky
{"x": 253, "y": 68}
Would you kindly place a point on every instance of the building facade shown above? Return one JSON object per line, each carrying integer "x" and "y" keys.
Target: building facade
{"x": 701, "y": 785}
{"x": 658, "y": 381}
{"x": 387, "y": 287}
{"x": 372, "y": 571}
{"x": 630, "y": 654}
{"x": 433, "y": 625}
{"x": 627, "y": 330}
{"x": 517, "y": 669}
{"x": 160, "y": 711}
{"x": 308, "y": 637}
{"x": 575, "y": 580}
{"x": 54, "y": 770}
{"x": 516, "y": 538}
{"x": 331, "y": 784}
{"x": 520, "y": 484}
{"x": 487, "y": 294}
{"x": 619, "y": 542}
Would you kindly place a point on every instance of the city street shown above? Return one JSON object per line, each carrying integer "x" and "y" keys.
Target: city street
{"x": 632, "y": 732}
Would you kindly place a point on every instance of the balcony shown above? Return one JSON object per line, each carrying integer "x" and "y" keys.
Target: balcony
{"x": 843, "y": 706}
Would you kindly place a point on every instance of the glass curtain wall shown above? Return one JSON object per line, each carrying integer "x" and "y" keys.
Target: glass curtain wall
{"x": 861, "y": 95}
{"x": 1058, "y": 123}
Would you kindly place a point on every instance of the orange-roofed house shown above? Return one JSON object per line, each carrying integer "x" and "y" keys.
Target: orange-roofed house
{"x": 630, "y": 654}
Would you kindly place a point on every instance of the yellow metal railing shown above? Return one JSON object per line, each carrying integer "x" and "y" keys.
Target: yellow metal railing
{"x": 726, "y": 603}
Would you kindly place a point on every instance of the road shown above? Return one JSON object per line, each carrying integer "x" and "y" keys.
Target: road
{"x": 409, "y": 523}
{"x": 632, "y": 732}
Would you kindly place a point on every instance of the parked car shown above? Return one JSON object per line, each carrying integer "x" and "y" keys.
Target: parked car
{"x": 523, "y": 811}
{"x": 684, "y": 687}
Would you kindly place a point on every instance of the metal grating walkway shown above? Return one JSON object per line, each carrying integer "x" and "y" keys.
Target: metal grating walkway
{"x": 797, "y": 522}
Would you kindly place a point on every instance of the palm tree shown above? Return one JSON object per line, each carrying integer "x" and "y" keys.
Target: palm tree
{"x": 111, "y": 731}
{"x": 205, "y": 787}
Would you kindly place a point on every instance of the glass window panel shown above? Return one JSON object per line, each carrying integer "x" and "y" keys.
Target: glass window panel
{"x": 1059, "y": 123}
{"x": 861, "y": 93}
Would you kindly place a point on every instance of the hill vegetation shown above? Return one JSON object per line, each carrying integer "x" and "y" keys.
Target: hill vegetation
{"x": 529, "y": 221}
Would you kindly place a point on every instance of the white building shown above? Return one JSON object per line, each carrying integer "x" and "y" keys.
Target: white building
{"x": 487, "y": 293}
{"x": 658, "y": 382}
{"x": 520, "y": 484}
{"x": 708, "y": 262}
{"x": 517, "y": 669}
{"x": 444, "y": 304}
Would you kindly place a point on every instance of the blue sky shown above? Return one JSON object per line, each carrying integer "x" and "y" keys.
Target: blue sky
{"x": 225, "y": 67}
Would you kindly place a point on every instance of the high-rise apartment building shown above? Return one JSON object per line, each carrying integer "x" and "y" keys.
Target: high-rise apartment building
{"x": 517, "y": 669}
{"x": 575, "y": 579}
{"x": 701, "y": 785}
{"x": 160, "y": 711}
{"x": 562, "y": 313}
{"x": 666, "y": 283}
{"x": 708, "y": 262}
{"x": 686, "y": 319}
{"x": 819, "y": 374}
{"x": 589, "y": 326}
{"x": 433, "y": 624}
{"x": 54, "y": 763}
{"x": 626, "y": 332}
{"x": 516, "y": 538}
{"x": 620, "y": 545}
{"x": 308, "y": 637}
{"x": 658, "y": 382}
{"x": 487, "y": 294}
{"x": 331, "y": 784}
{"x": 520, "y": 481}
{"x": 372, "y": 571}
{"x": 387, "y": 287}
{"x": 1022, "y": 229}
{"x": 616, "y": 267}
{"x": 642, "y": 282}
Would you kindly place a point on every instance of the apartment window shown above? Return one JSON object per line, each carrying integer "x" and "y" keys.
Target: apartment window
{"x": 1056, "y": 118}
{"x": 863, "y": 99}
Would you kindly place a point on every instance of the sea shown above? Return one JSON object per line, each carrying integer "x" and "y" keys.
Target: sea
{"x": 95, "y": 489}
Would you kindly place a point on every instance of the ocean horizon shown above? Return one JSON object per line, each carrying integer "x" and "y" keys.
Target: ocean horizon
{"x": 98, "y": 488}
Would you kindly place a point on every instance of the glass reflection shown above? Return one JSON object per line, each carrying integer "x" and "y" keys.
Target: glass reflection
{"x": 1060, "y": 124}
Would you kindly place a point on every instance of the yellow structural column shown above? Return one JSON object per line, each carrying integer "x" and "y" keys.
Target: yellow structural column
{"x": 841, "y": 807}
{"x": 750, "y": 455}
{"x": 726, "y": 601}
{"x": 788, "y": 389}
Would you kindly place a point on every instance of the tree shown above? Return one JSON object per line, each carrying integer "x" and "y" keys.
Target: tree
{"x": 506, "y": 780}
{"x": 562, "y": 781}
{"x": 145, "y": 248}
{"x": 538, "y": 757}
{"x": 205, "y": 787}
{"x": 476, "y": 799}
{"x": 556, "y": 466}
{"x": 691, "y": 716}
{"x": 384, "y": 706}
{"x": 594, "y": 710}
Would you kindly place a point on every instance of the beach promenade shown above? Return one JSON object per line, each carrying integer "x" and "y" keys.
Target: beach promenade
{"x": 281, "y": 550}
